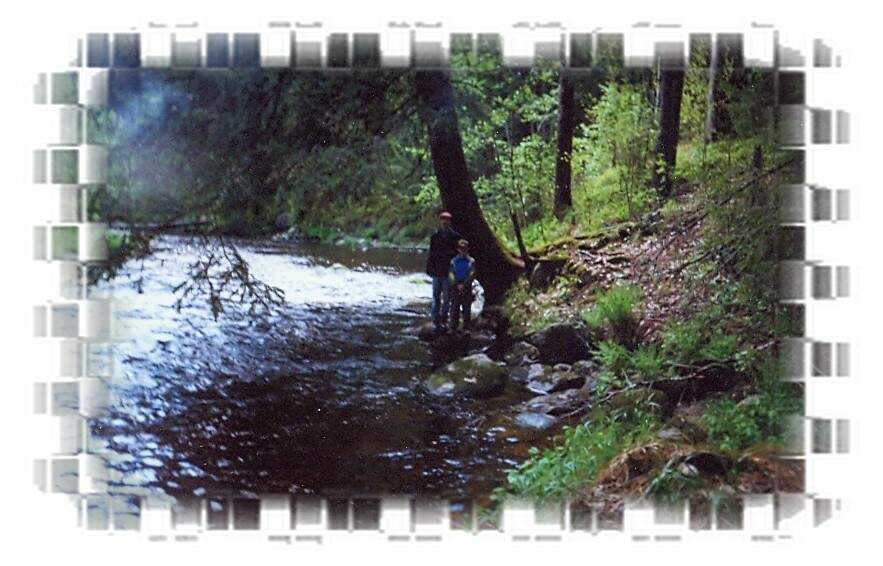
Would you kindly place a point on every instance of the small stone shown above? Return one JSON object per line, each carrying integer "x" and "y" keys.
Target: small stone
{"x": 536, "y": 421}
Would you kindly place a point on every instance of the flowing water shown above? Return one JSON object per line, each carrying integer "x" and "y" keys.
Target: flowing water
{"x": 321, "y": 396}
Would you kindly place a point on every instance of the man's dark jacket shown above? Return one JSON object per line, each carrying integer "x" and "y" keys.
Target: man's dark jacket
{"x": 442, "y": 249}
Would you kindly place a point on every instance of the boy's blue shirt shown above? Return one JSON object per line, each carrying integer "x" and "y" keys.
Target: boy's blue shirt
{"x": 462, "y": 269}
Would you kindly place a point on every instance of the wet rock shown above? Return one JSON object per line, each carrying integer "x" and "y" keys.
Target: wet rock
{"x": 473, "y": 376}
{"x": 520, "y": 374}
{"x": 562, "y": 367}
{"x": 559, "y": 403}
{"x": 554, "y": 380}
{"x": 521, "y": 353}
{"x": 535, "y": 421}
{"x": 561, "y": 343}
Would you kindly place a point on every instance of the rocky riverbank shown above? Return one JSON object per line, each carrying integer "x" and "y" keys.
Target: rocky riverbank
{"x": 623, "y": 333}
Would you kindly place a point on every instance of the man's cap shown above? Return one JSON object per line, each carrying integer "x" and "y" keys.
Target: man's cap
{"x": 463, "y": 244}
{"x": 445, "y": 214}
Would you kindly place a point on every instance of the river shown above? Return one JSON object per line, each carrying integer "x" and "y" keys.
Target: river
{"x": 320, "y": 397}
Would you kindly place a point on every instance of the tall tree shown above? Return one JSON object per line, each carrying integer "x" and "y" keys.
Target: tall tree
{"x": 671, "y": 89}
{"x": 566, "y": 124}
{"x": 497, "y": 268}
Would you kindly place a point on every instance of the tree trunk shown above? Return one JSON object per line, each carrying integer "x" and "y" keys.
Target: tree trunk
{"x": 566, "y": 124}
{"x": 496, "y": 268}
{"x": 671, "y": 90}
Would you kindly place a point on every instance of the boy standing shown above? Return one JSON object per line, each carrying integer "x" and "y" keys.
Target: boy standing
{"x": 462, "y": 273}
{"x": 442, "y": 248}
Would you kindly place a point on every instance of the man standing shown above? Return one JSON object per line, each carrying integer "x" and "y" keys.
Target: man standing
{"x": 442, "y": 249}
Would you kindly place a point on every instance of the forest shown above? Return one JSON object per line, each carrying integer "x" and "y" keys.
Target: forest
{"x": 624, "y": 223}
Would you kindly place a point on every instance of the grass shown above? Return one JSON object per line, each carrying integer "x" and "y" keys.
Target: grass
{"x": 575, "y": 462}
{"x": 615, "y": 307}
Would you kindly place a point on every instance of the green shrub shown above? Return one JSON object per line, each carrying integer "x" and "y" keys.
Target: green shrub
{"x": 615, "y": 308}
{"x": 615, "y": 357}
{"x": 647, "y": 363}
{"x": 682, "y": 341}
{"x": 721, "y": 347}
{"x": 757, "y": 419}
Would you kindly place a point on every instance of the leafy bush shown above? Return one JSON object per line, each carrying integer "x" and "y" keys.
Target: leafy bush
{"x": 682, "y": 341}
{"x": 755, "y": 420}
{"x": 721, "y": 347}
{"x": 644, "y": 363}
{"x": 648, "y": 364}
{"x": 615, "y": 307}
{"x": 615, "y": 357}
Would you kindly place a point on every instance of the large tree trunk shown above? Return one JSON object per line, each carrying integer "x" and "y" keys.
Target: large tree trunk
{"x": 671, "y": 90}
{"x": 566, "y": 124}
{"x": 496, "y": 268}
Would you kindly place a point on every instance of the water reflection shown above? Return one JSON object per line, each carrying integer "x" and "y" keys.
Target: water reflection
{"x": 320, "y": 397}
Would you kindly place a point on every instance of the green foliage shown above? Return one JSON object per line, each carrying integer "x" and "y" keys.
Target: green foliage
{"x": 757, "y": 419}
{"x": 648, "y": 363}
{"x": 621, "y": 136}
{"x": 644, "y": 363}
{"x": 574, "y": 463}
{"x": 694, "y": 102}
{"x": 613, "y": 356}
{"x": 721, "y": 347}
{"x": 614, "y": 306}
{"x": 682, "y": 342}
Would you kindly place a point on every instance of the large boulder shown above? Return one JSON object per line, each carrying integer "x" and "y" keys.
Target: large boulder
{"x": 473, "y": 376}
{"x": 521, "y": 353}
{"x": 555, "y": 380}
{"x": 560, "y": 403}
{"x": 561, "y": 343}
